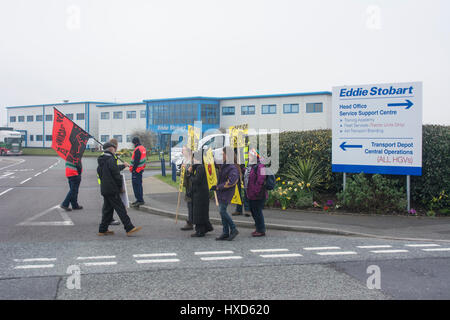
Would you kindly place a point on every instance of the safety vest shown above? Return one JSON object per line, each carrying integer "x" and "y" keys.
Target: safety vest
{"x": 71, "y": 170}
{"x": 98, "y": 177}
{"x": 246, "y": 156}
{"x": 138, "y": 163}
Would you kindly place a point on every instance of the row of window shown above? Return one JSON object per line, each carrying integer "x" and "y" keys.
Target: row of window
{"x": 39, "y": 137}
{"x": 119, "y": 115}
{"x": 105, "y": 138}
{"x": 48, "y": 117}
{"x": 272, "y": 109}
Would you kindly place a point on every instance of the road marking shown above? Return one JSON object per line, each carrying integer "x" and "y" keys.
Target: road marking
{"x": 374, "y": 247}
{"x": 44, "y": 170}
{"x": 337, "y": 253}
{"x": 30, "y": 221}
{"x": 421, "y": 245}
{"x": 389, "y": 251}
{"x": 213, "y": 252}
{"x": 96, "y": 257}
{"x": 437, "y": 249}
{"x": 286, "y": 255}
{"x": 221, "y": 258}
{"x": 37, "y": 174}
{"x": 5, "y": 191}
{"x": 35, "y": 260}
{"x": 35, "y": 266}
{"x": 107, "y": 263}
{"x": 7, "y": 174}
{"x": 25, "y": 180}
{"x": 157, "y": 261}
{"x": 322, "y": 248}
{"x": 14, "y": 164}
{"x": 269, "y": 250}
{"x": 148, "y": 255}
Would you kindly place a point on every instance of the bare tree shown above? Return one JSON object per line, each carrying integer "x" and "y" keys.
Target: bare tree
{"x": 147, "y": 138}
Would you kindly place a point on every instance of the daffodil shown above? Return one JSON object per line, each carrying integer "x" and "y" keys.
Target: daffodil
{"x": 308, "y": 185}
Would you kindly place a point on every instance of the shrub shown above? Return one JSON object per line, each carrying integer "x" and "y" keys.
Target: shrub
{"x": 372, "y": 194}
{"x": 304, "y": 171}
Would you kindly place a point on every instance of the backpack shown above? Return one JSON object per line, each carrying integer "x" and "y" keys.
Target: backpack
{"x": 270, "y": 182}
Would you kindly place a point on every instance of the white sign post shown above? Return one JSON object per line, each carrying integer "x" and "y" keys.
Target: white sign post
{"x": 378, "y": 129}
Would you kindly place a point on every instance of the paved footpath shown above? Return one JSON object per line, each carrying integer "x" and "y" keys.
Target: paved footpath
{"x": 162, "y": 199}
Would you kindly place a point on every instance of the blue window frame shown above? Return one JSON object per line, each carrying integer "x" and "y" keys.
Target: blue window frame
{"x": 69, "y": 115}
{"x": 104, "y": 138}
{"x": 128, "y": 138}
{"x": 12, "y": 119}
{"x": 118, "y": 137}
{"x": 210, "y": 113}
{"x": 48, "y": 137}
{"x": 269, "y": 109}
{"x": 290, "y": 108}
{"x": 104, "y": 115}
{"x": 247, "y": 110}
{"x": 48, "y": 117}
{"x": 39, "y": 117}
{"x": 30, "y": 118}
{"x": 143, "y": 114}
{"x": 80, "y": 116}
{"x": 314, "y": 107}
{"x": 131, "y": 114}
{"x": 39, "y": 137}
{"x": 117, "y": 115}
{"x": 31, "y": 137}
{"x": 228, "y": 111}
{"x": 21, "y": 118}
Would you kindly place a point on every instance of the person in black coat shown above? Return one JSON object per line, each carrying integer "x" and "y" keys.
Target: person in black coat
{"x": 111, "y": 186}
{"x": 200, "y": 199}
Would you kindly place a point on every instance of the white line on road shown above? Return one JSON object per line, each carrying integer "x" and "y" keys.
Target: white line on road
{"x": 14, "y": 164}
{"x": 148, "y": 255}
{"x": 337, "y": 253}
{"x": 285, "y": 255}
{"x": 221, "y": 258}
{"x": 25, "y": 180}
{"x": 157, "y": 261}
{"x": 37, "y": 174}
{"x": 35, "y": 266}
{"x": 322, "y": 248}
{"x": 45, "y": 170}
{"x": 5, "y": 191}
{"x": 96, "y": 257}
{"x": 213, "y": 252}
{"x": 422, "y": 245}
{"x": 374, "y": 247}
{"x": 389, "y": 251}
{"x": 269, "y": 250}
{"x": 107, "y": 263}
{"x": 437, "y": 249}
{"x": 35, "y": 260}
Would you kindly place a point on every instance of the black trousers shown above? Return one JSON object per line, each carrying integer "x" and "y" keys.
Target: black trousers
{"x": 111, "y": 203}
{"x": 203, "y": 228}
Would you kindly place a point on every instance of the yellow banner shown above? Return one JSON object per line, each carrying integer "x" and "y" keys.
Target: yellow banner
{"x": 211, "y": 176}
{"x": 193, "y": 137}
{"x": 237, "y": 135}
{"x": 237, "y": 197}
{"x": 183, "y": 170}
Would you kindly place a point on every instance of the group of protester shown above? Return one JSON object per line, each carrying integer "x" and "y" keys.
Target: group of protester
{"x": 111, "y": 185}
{"x": 231, "y": 174}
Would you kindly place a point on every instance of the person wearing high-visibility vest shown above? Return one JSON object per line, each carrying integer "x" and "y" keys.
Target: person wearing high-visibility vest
{"x": 137, "y": 167}
{"x": 73, "y": 174}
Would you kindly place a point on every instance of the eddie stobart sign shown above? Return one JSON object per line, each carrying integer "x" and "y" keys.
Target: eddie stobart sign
{"x": 377, "y": 129}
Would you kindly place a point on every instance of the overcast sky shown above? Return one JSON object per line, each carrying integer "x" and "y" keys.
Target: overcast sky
{"x": 126, "y": 51}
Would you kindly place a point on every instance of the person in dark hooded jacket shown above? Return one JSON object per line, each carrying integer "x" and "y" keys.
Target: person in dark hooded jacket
{"x": 111, "y": 186}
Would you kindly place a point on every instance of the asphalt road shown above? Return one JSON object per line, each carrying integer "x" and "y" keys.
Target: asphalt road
{"x": 39, "y": 243}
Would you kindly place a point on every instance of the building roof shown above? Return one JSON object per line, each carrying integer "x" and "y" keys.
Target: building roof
{"x": 55, "y": 104}
{"x": 121, "y": 104}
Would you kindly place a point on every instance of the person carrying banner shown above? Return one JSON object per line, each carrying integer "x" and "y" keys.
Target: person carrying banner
{"x": 111, "y": 186}
{"x": 73, "y": 174}
{"x": 137, "y": 168}
{"x": 200, "y": 197}
{"x": 226, "y": 185}
{"x": 254, "y": 179}
{"x": 187, "y": 183}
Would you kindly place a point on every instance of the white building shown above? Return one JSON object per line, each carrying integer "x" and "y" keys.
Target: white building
{"x": 119, "y": 120}
{"x": 36, "y": 121}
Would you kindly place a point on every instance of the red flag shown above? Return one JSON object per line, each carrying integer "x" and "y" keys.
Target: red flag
{"x": 68, "y": 139}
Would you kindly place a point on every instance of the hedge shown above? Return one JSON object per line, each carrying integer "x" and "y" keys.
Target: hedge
{"x": 434, "y": 182}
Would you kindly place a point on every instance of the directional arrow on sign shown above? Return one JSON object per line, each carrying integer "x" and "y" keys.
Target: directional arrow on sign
{"x": 344, "y": 145}
{"x": 408, "y": 104}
